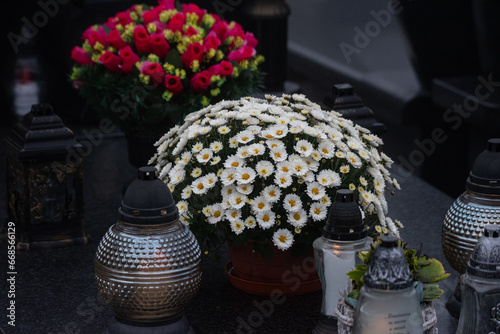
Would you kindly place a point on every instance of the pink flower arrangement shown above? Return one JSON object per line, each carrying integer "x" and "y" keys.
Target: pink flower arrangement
{"x": 182, "y": 60}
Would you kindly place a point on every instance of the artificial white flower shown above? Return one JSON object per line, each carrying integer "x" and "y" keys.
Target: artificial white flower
{"x": 297, "y": 218}
{"x": 216, "y": 214}
{"x": 275, "y": 143}
{"x": 215, "y": 161}
{"x": 228, "y": 176}
{"x": 228, "y": 190}
{"x": 379, "y": 183}
{"x": 285, "y": 167}
{"x": 209, "y": 180}
{"x": 186, "y": 157}
{"x": 198, "y": 186}
{"x": 257, "y": 149}
{"x": 204, "y": 155}
{"x": 278, "y": 154}
{"x": 182, "y": 206}
{"x": 304, "y": 148}
{"x": 260, "y": 204}
{"x": 327, "y": 149}
{"x": 186, "y": 192}
{"x": 299, "y": 166}
{"x": 196, "y": 172}
{"x": 197, "y": 147}
{"x": 223, "y": 130}
{"x": 244, "y": 137}
{"x": 216, "y": 146}
{"x": 283, "y": 239}
{"x": 233, "y": 142}
{"x": 354, "y": 160}
{"x": 250, "y": 222}
{"x": 344, "y": 169}
{"x": 232, "y": 214}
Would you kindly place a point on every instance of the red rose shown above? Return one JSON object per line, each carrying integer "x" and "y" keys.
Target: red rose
{"x": 177, "y": 22}
{"x": 226, "y": 68}
{"x": 87, "y": 32}
{"x": 98, "y": 36}
{"x": 116, "y": 41}
{"x": 250, "y": 39}
{"x": 129, "y": 58}
{"x": 219, "y": 28}
{"x": 156, "y": 72}
{"x": 211, "y": 42}
{"x": 173, "y": 84}
{"x": 142, "y": 40}
{"x": 78, "y": 54}
{"x": 200, "y": 81}
{"x": 149, "y": 16}
{"x": 159, "y": 45}
{"x": 241, "y": 54}
{"x": 110, "y": 60}
{"x": 166, "y": 4}
{"x": 191, "y": 31}
{"x": 124, "y": 18}
{"x": 194, "y": 52}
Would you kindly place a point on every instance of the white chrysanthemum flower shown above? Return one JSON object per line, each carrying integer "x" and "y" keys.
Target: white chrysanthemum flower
{"x": 271, "y": 193}
{"x": 307, "y": 177}
{"x": 217, "y": 122}
{"x": 335, "y": 135}
{"x": 215, "y": 161}
{"x": 266, "y": 219}
{"x": 177, "y": 176}
{"x": 278, "y": 130}
{"x": 326, "y": 177}
{"x": 295, "y": 130}
{"x": 379, "y": 183}
{"x": 224, "y": 130}
{"x": 275, "y": 143}
{"x": 342, "y": 146}
{"x": 315, "y": 190}
{"x": 207, "y": 210}
{"x": 237, "y": 226}
{"x": 344, "y": 169}
{"x": 318, "y": 211}
{"x": 292, "y": 203}
{"x": 364, "y": 154}
{"x": 283, "y": 239}
{"x": 312, "y": 164}
{"x": 298, "y": 124}
{"x": 204, "y": 156}
{"x": 205, "y": 129}
{"x": 234, "y": 161}
{"x": 304, "y": 148}
{"x": 257, "y": 149}
{"x": 250, "y": 222}
{"x": 396, "y": 185}
{"x": 278, "y": 154}
{"x": 285, "y": 167}
{"x": 186, "y": 157}
{"x": 299, "y": 166}
{"x": 264, "y": 168}
{"x": 354, "y": 160}
{"x": 245, "y": 188}
{"x": 244, "y": 137}
{"x": 326, "y": 200}
{"x": 314, "y": 132}
{"x": 198, "y": 186}
{"x": 216, "y": 213}
{"x": 298, "y": 218}
{"x": 228, "y": 176}
{"x": 237, "y": 200}
{"x": 232, "y": 214}
{"x": 327, "y": 149}
{"x": 228, "y": 190}
{"x": 186, "y": 192}
{"x": 245, "y": 175}
{"x": 354, "y": 144}
{"x": 182, "y": 206}
{"x": 243, "y": 152}
{"x": 165, "y": 170}
{"x": 340, "y": 155}
{"x": 216, "y": 146}
{"x": 316, "y": 155}
{"x": 197, "y": 147}
{"x": 210, "y": 180}
{"x": 260, "y": 204}
{"x": 362, "y": 181}
{"x": 233, "y": 142}
{"x": 282, "y": 179}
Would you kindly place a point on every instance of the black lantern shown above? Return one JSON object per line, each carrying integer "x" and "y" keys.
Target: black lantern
{"x": 44, "y": 186}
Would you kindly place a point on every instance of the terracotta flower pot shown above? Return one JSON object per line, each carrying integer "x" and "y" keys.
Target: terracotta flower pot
{"x": 292, "y": 275}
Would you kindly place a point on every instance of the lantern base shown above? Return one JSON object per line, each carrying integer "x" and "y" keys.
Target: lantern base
{"x": 176, "y": 325}
{"x": 325, "y": 325}
{"x": 21, "y": 245}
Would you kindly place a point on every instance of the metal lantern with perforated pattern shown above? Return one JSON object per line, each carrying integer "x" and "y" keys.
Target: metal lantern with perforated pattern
{"x": 148, "y": 264}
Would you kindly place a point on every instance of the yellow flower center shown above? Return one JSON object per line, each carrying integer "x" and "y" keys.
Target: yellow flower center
{"x": 217, "y": 214}
{"x": 205, "y": 156}
{"x": 234, "y": 214}
{"x": 261, "y": 205}
{"x": 315, "y": 191}
{"x": 292, "y": 203}
{"x": 200, "y": 186}
{"x": 245, "y": 176}
{"x": 282, "y": 238}
{"x": 296, "y": 216}
{"x": 279, "y": 132}
{"x": 272, "y": 193}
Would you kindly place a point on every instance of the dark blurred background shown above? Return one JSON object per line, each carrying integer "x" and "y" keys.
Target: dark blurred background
{"x": 416, "y": 64}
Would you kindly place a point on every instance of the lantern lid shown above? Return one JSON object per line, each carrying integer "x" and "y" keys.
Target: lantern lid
{"x": 485, "y": 259}
{"x": 40, "y": 134}
{"x": 148, "y": 200}
{"x": 485, "y": 174}
{"x": 345, "y": 222}
{"x": 388, "y": 269}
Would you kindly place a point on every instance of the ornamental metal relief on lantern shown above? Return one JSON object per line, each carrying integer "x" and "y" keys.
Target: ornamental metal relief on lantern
{"x": 335, "y": 254}
{"x": 148, "y": 264}
{"x": 44, "y": 188}
{"x": 478, "y": 206}
{"x": 480, "y": 286}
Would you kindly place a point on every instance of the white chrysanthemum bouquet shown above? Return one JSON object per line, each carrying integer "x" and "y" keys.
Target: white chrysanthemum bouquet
{"x": 267, "y": 170}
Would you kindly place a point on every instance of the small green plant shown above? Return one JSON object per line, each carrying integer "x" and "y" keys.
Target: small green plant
{"x": 425, "y": 270}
